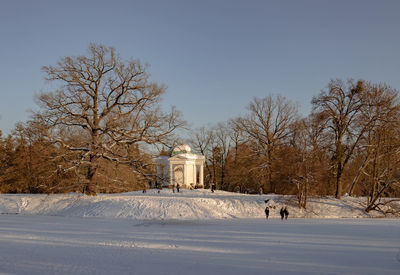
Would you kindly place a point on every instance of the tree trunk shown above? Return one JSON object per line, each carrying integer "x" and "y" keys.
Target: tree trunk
{"x": 269, "y": 175}
{"x": 91, "y": 185}
{"x": 223, "y": 176}
{"x": 355, "y": 179}
{"x": 371, "y": 204}
{"x": 208, "y": 171}
{"x": 339, "y": 172}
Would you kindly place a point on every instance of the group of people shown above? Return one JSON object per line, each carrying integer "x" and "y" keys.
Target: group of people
{"x": 284, "y": 212}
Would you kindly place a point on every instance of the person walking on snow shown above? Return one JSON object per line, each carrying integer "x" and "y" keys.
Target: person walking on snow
{"x": 213, "y": 187}
{"x": 286, "y": 212}
{"x": 282, "y": 212}
{"x": 267, "y": 211}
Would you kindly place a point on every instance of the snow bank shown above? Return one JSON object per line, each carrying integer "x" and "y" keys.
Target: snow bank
{"x": 186, "y": 205}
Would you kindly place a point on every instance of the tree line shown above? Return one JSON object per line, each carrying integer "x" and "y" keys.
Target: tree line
{"x": 100, "y": 128}
{"x": 349, "y": 144}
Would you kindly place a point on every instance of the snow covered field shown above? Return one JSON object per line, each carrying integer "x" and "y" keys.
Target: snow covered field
{"x": 193, "y": 232}
{"x": 74, "y": 245}
{"x": 186, "y": 205}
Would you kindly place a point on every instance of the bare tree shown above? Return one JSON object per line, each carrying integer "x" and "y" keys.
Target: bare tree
{"x": 112, "y": 102}
{"x": 341, "y": 105}
{"x": 380, "y": 116}
{"x": 307, "y": 159}
{"x": 221, "y": 148}
{"x": 214, "y": 144}
{"x": 381, "y": 145}
{"x": 236, "y": 136}
{"x": 382, "y": 173}
{"x": 237, "y": 169}
{"x": 352, "y": 112}
{"x": 202, "y": 140}
{"x": 267, "y": 126}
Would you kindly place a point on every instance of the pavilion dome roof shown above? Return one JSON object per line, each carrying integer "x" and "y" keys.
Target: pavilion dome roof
{"x": 181, "y": 149}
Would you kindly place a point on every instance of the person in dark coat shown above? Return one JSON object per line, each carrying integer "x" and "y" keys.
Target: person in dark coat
{"x": 177, "y": 187}
{"x": 213, "y": 187}
{"x": 267, "y": 211}
{"x": 282, "y": 212}
{"x": 286, "y": 212}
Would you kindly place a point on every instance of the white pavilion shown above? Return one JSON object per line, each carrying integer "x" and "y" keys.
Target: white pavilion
{"x": 180, "y": 168}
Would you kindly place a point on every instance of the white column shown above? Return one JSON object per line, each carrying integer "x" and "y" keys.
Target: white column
{"x": 170, "y": 174}
{"x": 201, "y": 175}
{"x": 184, "y": 174}
{"x": 194, "y": 176}
{"x": 161, "y": 174}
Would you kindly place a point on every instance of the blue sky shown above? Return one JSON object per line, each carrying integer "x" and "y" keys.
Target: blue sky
{"x": 214, "y": 56}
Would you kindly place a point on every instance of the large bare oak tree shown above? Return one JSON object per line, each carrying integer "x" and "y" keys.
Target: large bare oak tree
{"x": 111, "y": 102}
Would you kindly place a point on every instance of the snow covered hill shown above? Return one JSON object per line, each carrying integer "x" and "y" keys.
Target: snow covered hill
{"x": 186, "y": 205}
